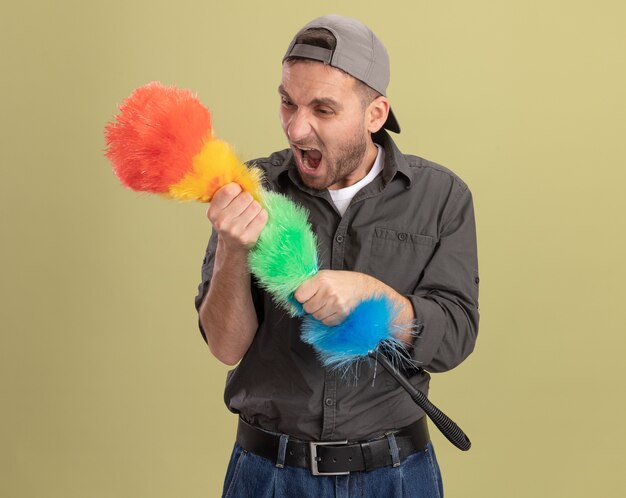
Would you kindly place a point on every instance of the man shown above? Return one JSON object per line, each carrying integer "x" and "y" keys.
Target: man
{"x": 386, "y": 223}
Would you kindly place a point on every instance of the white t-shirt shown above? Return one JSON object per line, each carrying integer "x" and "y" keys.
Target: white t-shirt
{"x": 342, "y": 197}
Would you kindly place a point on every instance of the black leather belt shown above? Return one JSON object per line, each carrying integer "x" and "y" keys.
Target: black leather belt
{"x": 334, "y": 457}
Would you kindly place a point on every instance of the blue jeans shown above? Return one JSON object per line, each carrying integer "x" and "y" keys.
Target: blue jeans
{"x": 252, "y": 476}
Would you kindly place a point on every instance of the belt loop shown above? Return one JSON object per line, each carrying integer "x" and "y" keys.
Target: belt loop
{"x": 282, "y": 450}
{"x": 393, "y": 449}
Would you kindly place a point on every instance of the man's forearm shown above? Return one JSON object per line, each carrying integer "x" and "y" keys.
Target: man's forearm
{"x": 227, "y": 313}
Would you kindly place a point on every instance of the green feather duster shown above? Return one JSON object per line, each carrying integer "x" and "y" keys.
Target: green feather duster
{"x": 286, "y": 253}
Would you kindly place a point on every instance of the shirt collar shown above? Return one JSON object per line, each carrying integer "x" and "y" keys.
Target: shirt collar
{"x": 395, "y": 162}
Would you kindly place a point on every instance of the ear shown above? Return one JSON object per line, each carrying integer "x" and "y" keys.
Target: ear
{"x": 376, "y": 114}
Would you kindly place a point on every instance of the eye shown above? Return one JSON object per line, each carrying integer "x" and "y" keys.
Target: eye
{"x": 324, "y": 111}
{"x": 286, "y": 102}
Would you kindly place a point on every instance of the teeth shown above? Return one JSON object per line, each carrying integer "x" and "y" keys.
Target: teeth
{"x": 311, "y": 156}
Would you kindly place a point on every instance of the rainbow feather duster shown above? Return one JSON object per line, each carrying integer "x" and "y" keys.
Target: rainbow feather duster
{"x": 162, "y": 142}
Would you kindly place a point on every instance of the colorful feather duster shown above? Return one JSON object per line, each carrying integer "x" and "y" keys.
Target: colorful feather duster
{"x": 162, "y": 142}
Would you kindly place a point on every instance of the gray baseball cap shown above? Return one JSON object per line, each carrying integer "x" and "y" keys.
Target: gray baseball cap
{"x": 358, "y": 52}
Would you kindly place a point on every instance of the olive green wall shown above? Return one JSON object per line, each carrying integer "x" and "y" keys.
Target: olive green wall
{"x": 107, "y": 389}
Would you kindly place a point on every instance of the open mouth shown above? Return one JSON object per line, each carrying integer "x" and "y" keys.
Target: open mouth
{"x": 310, "y": 158}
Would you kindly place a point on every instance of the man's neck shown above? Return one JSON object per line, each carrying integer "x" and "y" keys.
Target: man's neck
{"x": 360, "y": 172}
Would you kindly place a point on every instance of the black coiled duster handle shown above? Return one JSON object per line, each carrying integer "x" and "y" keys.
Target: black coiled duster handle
{"x": 448, "y": 428}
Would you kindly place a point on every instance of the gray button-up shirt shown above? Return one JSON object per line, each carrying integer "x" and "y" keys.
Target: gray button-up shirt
{"x": 412, "y": 228}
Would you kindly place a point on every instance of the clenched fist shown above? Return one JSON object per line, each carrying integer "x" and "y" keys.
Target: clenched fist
{"x": 237, "y": 217}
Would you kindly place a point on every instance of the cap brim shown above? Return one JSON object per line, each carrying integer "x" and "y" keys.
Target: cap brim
{"x": 392, "y": 123}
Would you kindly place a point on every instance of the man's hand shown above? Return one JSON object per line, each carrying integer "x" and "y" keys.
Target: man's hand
{"x": 331, "y": 295}
{"x": 237, "y": 218}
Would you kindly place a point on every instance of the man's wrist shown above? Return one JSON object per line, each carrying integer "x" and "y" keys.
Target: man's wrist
{"x": 234, "y": 257}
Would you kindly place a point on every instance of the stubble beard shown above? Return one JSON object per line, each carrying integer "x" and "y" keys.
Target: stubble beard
{"x": 349, "y": 157}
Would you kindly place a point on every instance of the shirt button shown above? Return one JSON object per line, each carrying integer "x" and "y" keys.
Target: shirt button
{"x": 402, "y": 236}
{"x": 329, "y": 401}
{"x": 339, "y": 239}
{"x": 477, "y": 280}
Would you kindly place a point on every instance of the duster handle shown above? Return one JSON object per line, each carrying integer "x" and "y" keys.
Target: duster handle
{"x": 448, "y": 428}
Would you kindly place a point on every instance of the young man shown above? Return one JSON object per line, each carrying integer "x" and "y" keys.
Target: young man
{"x": 386, "y": 223}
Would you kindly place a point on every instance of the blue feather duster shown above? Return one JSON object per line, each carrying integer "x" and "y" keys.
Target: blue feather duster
{"x": 367, "y": 328}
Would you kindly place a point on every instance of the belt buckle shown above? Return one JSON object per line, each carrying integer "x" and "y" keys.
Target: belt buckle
{"x": 313, "y": 452}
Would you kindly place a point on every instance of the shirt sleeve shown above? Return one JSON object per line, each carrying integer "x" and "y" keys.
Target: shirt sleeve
{"x": 446, "y": 298}
{"x": 207, "y": 273}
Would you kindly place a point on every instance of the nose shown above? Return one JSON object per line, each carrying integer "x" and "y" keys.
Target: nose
{"x": 299, "y": 126}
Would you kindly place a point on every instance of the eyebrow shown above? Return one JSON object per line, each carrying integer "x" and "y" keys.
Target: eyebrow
{"x": 317, "y": 101}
